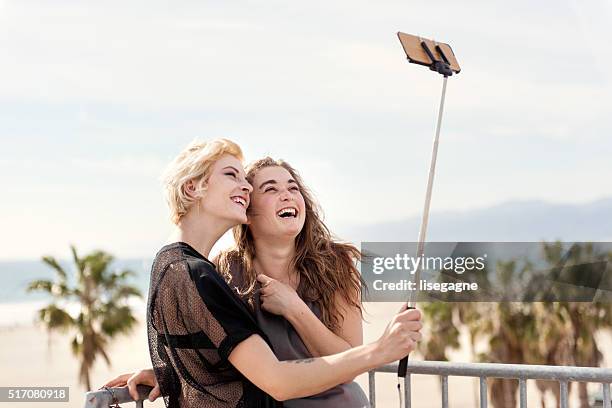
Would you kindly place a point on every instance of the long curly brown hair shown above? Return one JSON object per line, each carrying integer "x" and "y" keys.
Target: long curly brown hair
{"x": 326, "y": 266}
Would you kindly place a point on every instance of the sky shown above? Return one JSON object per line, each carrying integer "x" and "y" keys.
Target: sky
{"x": 96, "y": 97}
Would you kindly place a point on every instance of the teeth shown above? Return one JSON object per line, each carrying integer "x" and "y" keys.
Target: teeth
{"x": 288, "y": 210}
{"x": 239, "y": 200}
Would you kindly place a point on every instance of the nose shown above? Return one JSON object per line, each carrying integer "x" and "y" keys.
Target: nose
{"x": 284, "y": 195}
{"x": 247, "y": 187}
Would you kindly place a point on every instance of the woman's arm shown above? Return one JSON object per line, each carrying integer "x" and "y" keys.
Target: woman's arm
{"x": 320, "y": 340}
{"x": 300, "y": 378}
{"x": 280, "y": 298}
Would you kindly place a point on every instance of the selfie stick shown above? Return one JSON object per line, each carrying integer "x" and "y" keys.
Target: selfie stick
{"x": 445, "y": 65}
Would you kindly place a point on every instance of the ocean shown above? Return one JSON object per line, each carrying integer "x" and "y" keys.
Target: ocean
{"x": 19, "y": 307}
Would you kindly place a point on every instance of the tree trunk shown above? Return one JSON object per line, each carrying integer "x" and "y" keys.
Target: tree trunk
{"x": 503, "y": 393}
{"x": 583, "y": 395}
{"x": 87, "y": 381}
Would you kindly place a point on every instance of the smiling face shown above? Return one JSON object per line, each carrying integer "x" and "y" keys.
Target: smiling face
{"x": 226, "y": 194}
{"x": 277, "y": 205}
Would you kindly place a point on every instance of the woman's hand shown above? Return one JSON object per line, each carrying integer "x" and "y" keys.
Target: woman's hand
{"x": 145, "y": 377}
{"x": 277, "y": 297}
{"x": 401, "y": 335}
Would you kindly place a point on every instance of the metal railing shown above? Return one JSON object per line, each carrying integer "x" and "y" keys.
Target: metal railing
{"x": 521, "y": 372}
{"x": 106, "y": 397}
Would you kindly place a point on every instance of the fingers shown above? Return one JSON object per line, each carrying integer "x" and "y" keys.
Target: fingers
{"x": 141, "y": 377}
{"x": 132, "y": 383}
{"x": 411, "y": 345}
{"x": 416, "y": 336}
{"x": 409, "y": 314}
{"x": 266, "y": 287}
{"x": 263, "y": 303}
{"x": 408, "y": 326}
{"x": 411, "y": 330}
{"x": 414, "y": 314}
{"x": 412, "y": 325}
{"x": 155, "y": 393}
{"x": 131, "y": 380}
{"x": 119, "y": 381}
{"x": 263, "y": 279}
{"x": 409, "y": 339}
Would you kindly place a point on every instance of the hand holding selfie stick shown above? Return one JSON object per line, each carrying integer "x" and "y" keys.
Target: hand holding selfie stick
{"x": 440, "y": 58}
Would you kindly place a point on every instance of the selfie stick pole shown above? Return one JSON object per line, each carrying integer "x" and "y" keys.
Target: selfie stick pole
{"x": 442, "y": 67}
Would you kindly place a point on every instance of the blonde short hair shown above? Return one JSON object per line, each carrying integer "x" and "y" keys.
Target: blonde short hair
{"x": 193, "y": 163}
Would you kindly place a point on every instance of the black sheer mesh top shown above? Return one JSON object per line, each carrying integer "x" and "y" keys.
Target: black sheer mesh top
{"x": 194, "y": 322}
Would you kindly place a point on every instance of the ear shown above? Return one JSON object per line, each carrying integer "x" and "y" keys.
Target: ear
{"x": 193, "y": 188}
{"x": 190, "y": 188}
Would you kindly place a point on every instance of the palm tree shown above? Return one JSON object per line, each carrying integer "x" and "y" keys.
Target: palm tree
{"x": 102, "y": 296}
{"x": 444, "y": 319}
{"x": 534, "y": 332}
{"x": 584, "y": 318}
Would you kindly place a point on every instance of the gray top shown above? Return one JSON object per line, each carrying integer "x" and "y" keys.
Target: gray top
{"x": 288, "y": 345}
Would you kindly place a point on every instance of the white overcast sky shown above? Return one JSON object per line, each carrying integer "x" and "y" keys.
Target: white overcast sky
{"x": 95, "y": 97}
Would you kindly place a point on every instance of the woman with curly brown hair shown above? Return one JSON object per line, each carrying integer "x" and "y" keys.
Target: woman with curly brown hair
{"x": 302, "y": 284}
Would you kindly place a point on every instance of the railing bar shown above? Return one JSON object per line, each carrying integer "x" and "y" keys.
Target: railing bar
{"x": 407, "y": 391}
{"x": 372, "y": 388}
{"x": 443, "y": 369}
{"x": 563, "y": 388}
{"x": 522, "y": 372}
{"x": 510, "y": 371}
{"x": 483, "y": 392}
{"x": 523, "y": 392}
{"x": 444, "y": 391}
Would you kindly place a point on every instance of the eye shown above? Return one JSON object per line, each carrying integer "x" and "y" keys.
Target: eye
{"x": 231, "y": 173}
{"x": 294, "y": 188}
{"x": 270, "y": 189}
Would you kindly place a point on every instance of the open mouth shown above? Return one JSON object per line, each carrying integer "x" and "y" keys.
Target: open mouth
{"x": 287, "y": 212}
{"x": 240, "y": 201}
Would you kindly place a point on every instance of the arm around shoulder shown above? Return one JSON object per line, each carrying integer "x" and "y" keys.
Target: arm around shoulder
{"x": 299, "y": 378}
{"x": 285, "y": 380}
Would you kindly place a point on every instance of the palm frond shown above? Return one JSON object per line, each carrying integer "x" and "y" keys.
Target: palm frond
{"x": 98, "y": 263}
{"x": 55, "y": 318}
{"x": 40, "y": 285}
{"x": 78, "y": 262}
{"x": 118, "y": 320}
{"x": 52, "y": 262}
{"x": 125, "y": 292}
{"x": 100, "y": 346}
{"x": 75, "y": 345}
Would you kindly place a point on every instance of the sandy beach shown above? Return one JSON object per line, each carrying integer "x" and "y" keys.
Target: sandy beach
{"x": 30, "y": 359}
